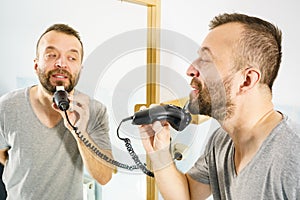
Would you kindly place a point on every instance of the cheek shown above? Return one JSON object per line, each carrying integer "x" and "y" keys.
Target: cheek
{"x": 76, "y": 72}
{"x": 232, "y": 88}
{"x": 39, "y": 70}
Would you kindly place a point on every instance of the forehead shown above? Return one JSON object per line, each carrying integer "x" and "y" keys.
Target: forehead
{"x": 220, "y": 42}
{"x": 60, "y": 41}
{"x": 221, "y": 39}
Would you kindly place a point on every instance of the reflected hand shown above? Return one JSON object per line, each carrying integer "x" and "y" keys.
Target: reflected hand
{"x": 78, "y": 112}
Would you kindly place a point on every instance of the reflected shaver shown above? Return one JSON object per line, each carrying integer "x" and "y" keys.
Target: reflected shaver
{"x": 60, "y": 98}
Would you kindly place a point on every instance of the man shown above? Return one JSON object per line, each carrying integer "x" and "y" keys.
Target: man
{"x": 255, "y": 152}
{"x": 42, "y": 154}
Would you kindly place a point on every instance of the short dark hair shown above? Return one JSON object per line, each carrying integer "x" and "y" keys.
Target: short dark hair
{"x": 260, "y": 43}
{"x": 63, "y": 28}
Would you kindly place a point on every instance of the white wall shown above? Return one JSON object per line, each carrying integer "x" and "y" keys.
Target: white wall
{"x": 98, "y": 21}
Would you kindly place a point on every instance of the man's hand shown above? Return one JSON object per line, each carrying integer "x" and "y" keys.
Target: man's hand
{"x": 156, "y": 141}
{"x": 78, "y": 112}
{"x": 156, "y": 136}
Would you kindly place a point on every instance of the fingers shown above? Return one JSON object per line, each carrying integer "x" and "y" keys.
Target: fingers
{"x": 157, "y": 126}
{"x": 79, "y": 101}
{"x": 149, "y": 130}
{"x": 143, "y": 108}
{"x": 78, "y": 112}
{"x": 146, "y": 131}
{"x": 162, "y": 134}
{"x": 147, "y": 135}
{"x": 155, "y": 136}
{"x": 153, "y": 105}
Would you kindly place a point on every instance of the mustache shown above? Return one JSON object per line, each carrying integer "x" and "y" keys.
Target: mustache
{"x": 60, "y": 71}
{"x": 195, "y": 83}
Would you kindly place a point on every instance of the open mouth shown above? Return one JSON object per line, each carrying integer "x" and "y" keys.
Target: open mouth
{"x": 196, "y": 86}
{"x": 195, "y": 91}
{"x": 59, "y": 76}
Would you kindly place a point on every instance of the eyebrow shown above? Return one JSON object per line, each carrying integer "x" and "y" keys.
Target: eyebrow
{"x": 50, "y": 48}
{"x": 205, "y": 50}
{"x": 71, "y": 50}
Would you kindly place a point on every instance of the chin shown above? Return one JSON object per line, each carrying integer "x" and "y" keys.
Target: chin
{"x": 193, "y": 107}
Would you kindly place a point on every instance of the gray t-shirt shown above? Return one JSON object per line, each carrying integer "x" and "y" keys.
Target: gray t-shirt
{"x": 44, "y": 163}
{"x": 273, "y": 173}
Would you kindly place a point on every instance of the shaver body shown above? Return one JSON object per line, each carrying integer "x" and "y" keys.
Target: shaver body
{"x": 178, "y": 118}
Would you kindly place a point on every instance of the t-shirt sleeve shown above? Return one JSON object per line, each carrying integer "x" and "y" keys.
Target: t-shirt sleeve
{"x": 98, "y": 127}
{"x": 3, "y": 143}
{"x": 200, "y": 170}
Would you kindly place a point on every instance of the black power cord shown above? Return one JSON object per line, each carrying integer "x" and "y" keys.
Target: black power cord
{"x": 89, "y": 145}
{"x": 130, "y": 150}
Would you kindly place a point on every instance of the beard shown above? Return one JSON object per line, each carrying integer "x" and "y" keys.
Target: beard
{"x": 44, "y": 79}
{"x": 213, "y": 100}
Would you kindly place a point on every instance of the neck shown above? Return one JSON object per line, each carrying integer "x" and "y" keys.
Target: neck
{"x": 41, "y": 102}
{"x": 42, "y": 97}
{"x": 249, "y": 137}
{"x": 251, "y": 122}
{"x": 250, "y": 129}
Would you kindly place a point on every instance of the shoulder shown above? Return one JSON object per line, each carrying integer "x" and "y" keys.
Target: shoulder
{"x": 13, "y": 98}
{"x": 285, "y": 144}
{"x": 288, "y": 131}
{"x": 218, "y": 142}
{"x": 292, "y": 126}
{"x": 94, "y": 104}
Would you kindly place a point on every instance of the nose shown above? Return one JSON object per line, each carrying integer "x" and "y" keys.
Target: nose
{"x": 61, "y": 63}
{"x": 192, "y": 71}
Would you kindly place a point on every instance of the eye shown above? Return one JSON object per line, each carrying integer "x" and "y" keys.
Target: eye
{"x": 72, "y": 56}
{"x": 204, "y": 60}
{"x": 50, "y": 55}
{"x": 201, "y": 62}
{"x": 72, "y": 59}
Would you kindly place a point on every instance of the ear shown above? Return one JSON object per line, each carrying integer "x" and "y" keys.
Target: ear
{"x": 35, "y": 67}
{"x": 251, "y": 77}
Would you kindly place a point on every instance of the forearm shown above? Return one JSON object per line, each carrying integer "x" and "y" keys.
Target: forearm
{"x": 172, "y": 183}
{"x": 96, "y": 166}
